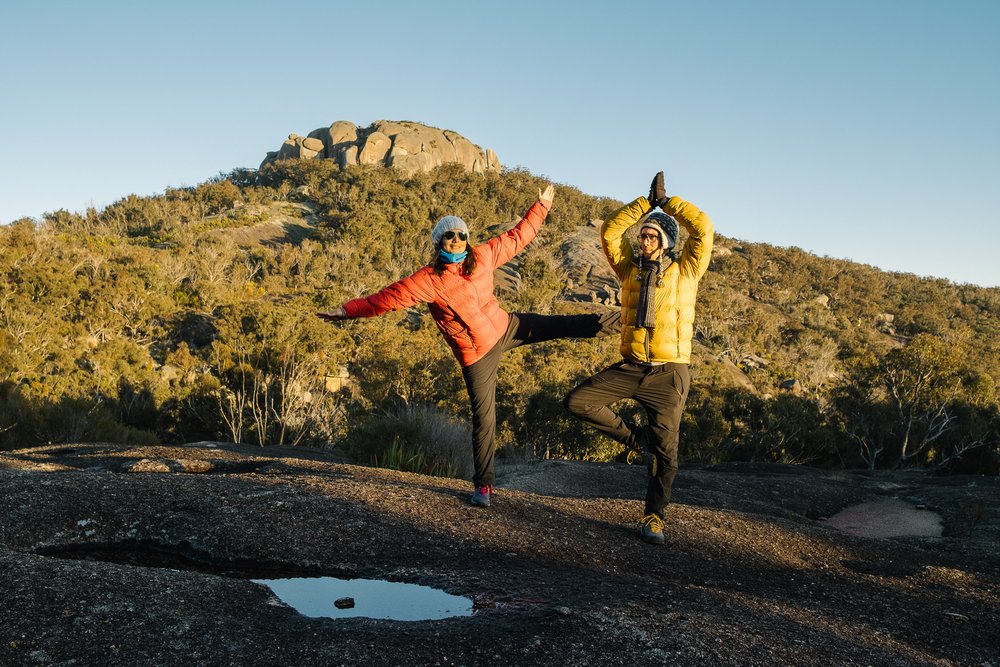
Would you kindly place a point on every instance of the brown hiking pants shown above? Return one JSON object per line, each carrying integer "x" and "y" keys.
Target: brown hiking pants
{"x": 662, "y": 390}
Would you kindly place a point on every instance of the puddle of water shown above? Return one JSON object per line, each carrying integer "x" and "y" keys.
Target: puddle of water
{"x": 309, "y": 595}
{"x": 389, "y": 600}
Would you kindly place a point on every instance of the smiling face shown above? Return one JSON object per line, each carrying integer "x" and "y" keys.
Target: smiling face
{"x": 649, "y": 243}
{"x": 454, "y": 241}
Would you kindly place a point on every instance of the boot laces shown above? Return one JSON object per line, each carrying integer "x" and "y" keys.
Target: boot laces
{"x": 653, "y": 522}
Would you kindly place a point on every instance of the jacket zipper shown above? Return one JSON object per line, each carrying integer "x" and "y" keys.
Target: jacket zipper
{"x": 678, "y": 316}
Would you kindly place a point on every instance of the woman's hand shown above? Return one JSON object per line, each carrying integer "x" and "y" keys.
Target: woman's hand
{"x": 333, "y": 315}
{"x": 547, "y": 196}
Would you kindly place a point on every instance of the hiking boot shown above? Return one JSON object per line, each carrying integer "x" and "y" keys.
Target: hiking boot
{"x": 481, "y": 496}
{"x": 652, "y": 529}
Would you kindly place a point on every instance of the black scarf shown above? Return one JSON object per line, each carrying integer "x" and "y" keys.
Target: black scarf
{"x": 645, "y": 309}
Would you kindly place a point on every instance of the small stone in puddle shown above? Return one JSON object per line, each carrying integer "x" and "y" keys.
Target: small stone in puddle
{"x": 344, "y": 603}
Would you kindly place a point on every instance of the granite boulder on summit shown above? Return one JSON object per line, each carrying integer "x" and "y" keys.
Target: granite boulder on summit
{"x": 404, "y": 145}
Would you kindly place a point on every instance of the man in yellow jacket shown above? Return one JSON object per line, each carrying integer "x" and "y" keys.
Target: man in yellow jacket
{"x": 658, "y": 292}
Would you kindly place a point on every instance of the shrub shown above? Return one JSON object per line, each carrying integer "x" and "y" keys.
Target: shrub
{"x": 413, "y": 438}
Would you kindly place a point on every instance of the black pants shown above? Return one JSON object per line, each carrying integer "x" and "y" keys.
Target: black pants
{"x": 662, "y": 390}
{"x": 481, "y": 377}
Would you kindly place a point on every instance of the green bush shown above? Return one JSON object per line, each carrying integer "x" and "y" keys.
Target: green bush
{"x": 413, "y": 438}
{"x": 146, "y": 315}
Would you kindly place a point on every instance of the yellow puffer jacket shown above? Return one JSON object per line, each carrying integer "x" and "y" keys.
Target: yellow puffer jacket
{"x": 670, "y": 340}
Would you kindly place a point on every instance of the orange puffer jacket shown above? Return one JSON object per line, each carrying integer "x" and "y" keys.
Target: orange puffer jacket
{"x": 463, "y": 307}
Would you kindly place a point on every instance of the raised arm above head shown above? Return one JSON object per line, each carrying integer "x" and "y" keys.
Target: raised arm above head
{"x": 504, "y": 246}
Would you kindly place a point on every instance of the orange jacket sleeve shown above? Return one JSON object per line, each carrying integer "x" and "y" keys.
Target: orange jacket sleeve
{"x": 401, "y": 294}
{"x": 513, "y": 241}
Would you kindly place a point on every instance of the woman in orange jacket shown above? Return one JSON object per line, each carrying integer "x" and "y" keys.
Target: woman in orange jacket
{"x": 458, "y": 287}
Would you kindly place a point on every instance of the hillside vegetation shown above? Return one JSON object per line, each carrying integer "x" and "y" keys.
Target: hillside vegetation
{"x": 190, "y": 316}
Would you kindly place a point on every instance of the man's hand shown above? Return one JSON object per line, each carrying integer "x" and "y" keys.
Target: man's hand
{"x": 547, "y": 196}
{"x": 657, "y": 191}
{"x": 333, "y": 315}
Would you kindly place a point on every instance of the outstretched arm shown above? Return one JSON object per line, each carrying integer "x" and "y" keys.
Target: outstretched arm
{"x": 511, "y": 242}
{"x": 401, "y": 294}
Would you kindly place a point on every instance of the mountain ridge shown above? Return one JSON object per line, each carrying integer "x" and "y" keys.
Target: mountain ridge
{"x": 153, "y": 312}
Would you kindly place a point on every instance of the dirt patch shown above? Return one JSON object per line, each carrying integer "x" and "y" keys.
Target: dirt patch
{"x": 281, "y": 223}
{"x": 888, "y": 518}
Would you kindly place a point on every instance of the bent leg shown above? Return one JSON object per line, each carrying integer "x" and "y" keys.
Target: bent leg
{"x": 589, "y": 400}
{"x": 663, "y": 394}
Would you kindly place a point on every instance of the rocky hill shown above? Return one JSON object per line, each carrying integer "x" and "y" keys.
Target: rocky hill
{"x": 189, "y": 316}
{"x": 404, "y": 145}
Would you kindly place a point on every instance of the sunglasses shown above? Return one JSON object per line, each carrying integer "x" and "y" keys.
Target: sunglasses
{"x": 449, "y": 235}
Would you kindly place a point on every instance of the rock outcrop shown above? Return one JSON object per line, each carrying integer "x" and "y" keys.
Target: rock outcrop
{"x": 589, "y": 278}
{"x": 409, "y": 147}
{"x": 128, "y": 555}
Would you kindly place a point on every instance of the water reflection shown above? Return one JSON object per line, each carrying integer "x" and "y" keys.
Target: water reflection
{"x": 373, "y": 598}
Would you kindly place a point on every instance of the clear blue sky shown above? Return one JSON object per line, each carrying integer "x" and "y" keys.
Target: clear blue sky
{"x": 866, "y": 130}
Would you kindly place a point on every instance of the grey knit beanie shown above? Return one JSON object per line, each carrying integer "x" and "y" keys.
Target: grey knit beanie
{"x": 665, "y": 226}
{"x": 446, "y": 224}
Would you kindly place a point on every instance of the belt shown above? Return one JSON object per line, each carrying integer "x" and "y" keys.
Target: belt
{"x": 647, "y": 364}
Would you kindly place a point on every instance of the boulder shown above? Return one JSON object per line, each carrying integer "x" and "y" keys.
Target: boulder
{"x": 375, "y": 149}
{"x": 169, "y": 373}
{"x": 349, "y": 156}
{"x": 716, "y": 369}
{"x": 297, "y": 147}
{"x": 317, "y": 133}
{"x": 404, "y": 145}
{"x": 341, "y": 132}
{"x": 886, "y": 323}
{"x": 307, "y": 154}
{"x": 411, "y": 164}
{"x": 792, "y": 385}
{"x": 589, "y": 278}
{"x": 492, "y": 161}
{"x": 753, "y": 361}
{"x": 466, "y": 152}
{"x": 339, "y": 139}
{"x": 312, "y": 144}
{"x": 721, "y": 251}
{"x": 341, "y": 379}
{"x": 289, "y": 150}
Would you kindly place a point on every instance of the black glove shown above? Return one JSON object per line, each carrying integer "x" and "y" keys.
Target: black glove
{"x": 657, "y": 191}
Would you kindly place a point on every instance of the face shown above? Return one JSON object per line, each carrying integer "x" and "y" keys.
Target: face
{"x": 649, "y": 243}
{"x": 457, "y": 242}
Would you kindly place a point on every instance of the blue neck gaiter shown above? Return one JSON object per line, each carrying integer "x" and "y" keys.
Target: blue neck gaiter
{"x": 453, "y": 257}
